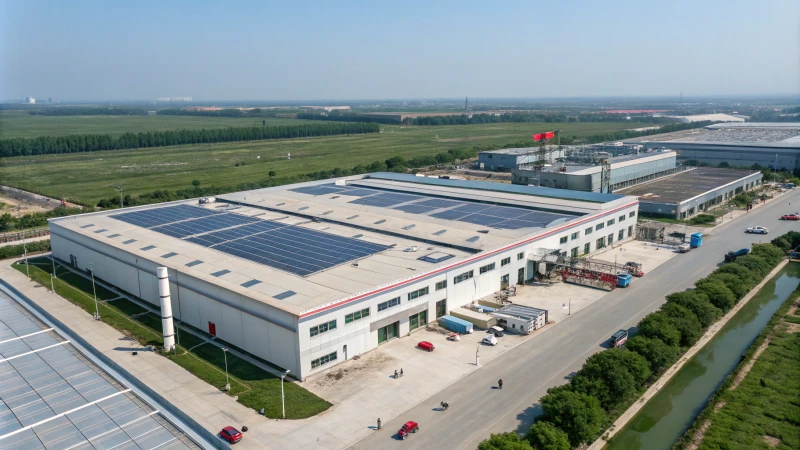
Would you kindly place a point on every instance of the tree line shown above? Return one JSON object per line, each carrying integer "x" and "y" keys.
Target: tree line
{"x": 228, "y": 112}
{"x": 524, "y": 117}
{"x": 575, "y": 413}
{"x": 337, "y": 116}
{"x": 44, "y": 145}
{"x": 88, "y": 111}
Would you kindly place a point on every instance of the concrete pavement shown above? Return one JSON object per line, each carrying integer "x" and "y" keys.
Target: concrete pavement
{"x": 477, "y": 409}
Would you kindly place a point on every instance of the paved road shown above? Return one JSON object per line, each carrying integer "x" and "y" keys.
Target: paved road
{"x": 478, "y": 409}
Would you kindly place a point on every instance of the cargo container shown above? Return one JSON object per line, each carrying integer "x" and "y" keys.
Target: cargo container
{"x": 696, "y": 240}
{"x": 455, "y": 324}
{"x": 623, "y": 279}
{"x": 479, "y": 320}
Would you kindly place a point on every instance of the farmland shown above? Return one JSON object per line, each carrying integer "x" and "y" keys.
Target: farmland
{"x": 16, "y": 124}
{"x": 89, "y": 177}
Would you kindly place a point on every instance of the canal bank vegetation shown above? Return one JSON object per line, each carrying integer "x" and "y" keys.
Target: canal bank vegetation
{"x": 611, "y": 380}
{"x": 758, "y": 405}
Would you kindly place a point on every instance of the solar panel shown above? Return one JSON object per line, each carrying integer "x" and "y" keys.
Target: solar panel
{"x": 385, "y": 199}
{"x": 360, "y": 192}
{"x": 414, "y": 208}
{"x": 150, "y": 218}
{"x": 321, "y": 189}
{"x": 439, "y": 203}
{"x": 204, "y": 225}
{"x": 450, "y": 214}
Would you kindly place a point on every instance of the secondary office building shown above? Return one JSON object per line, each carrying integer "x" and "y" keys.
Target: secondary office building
{"x": 309, "y": 275}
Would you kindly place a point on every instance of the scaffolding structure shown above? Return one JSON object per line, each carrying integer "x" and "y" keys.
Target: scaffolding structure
{"x": 590, "y": 272}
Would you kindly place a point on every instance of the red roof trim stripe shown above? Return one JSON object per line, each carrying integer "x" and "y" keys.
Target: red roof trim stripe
{"x": 446, "y": 268}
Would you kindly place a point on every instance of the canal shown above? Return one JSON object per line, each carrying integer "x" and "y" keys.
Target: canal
{"x": 667, "y": 416}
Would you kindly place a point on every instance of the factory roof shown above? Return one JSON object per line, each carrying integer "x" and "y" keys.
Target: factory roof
{"x": 513, "y": 151}
{"x": 303, "y": 246}
{"x": 685, "y": 185}
{"x": 747, "y": 134}
{"x": 617, "y": 162}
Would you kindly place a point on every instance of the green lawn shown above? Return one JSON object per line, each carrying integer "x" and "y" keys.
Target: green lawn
{"x": 255, "y": 387}
{"x": 16, "y": 124}
{"x": 89, "y": 177}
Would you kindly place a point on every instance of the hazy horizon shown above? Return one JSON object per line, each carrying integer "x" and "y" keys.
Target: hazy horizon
{"x": 250, "y": 51}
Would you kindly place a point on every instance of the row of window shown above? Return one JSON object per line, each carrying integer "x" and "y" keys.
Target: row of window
{"x": 388, "y": 304}
{"x": 597, "y": 227}
{"x": 441, "y": 285}
{"x": 463, "y": 277}
{"x": 323, "y": 327}
{"x": 587, "y": 247}
{"x": 322, "y": 360}
{"x": 418, "y": 293}
{"x": 486, "y": 268}
{"x": 505, "y": 261}
{"x": 358, "y": 315}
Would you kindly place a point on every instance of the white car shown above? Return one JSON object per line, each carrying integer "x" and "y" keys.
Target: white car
{"x": 757, "y": 230}
{"x": 490, "y": 340}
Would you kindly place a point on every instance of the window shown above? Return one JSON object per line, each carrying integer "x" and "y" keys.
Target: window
{"x": 574, "y": 252}
{"x": 417, "y": 320}
{"x": 563, "y": 254}
{"x": 358, "y": 315}
{"x": 601, "y": 243}
{"x": 621, "y": 235}
{"x": 611, "y": 222}
{"x": 610, "y": 238}
{"x": 418, "y": 293}
{"x": 599, "y": 226}
{"x": 587, "y": 247}
{"x": 520, "y": 255}
{"x": 322, "y": 360}
{"x": 630, "y": 231}
{"x": 441, "y": 285}
{"x": 563, "y": 240}
{"x": 587, "y": 231}
{"x": 323, "y": 327}
{"x": 632, "y": 214}
{"x": 622, "y": 218}
{"x": 487, "y": 268}
{"x": 574, "y": 236}
{"x": 463, "y": 277}
{"x": 505, "y": 261}
{"x": 388, "y": 304}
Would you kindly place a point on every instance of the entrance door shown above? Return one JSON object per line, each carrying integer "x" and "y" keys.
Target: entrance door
{"x": 388, "y": 332}
{"x": 521, "y": 275}
{"x": 441, "y": 308}
{"x": 418, "y": 320}
{"x": 344, "y": 350}
{"x": 504, "y": 282}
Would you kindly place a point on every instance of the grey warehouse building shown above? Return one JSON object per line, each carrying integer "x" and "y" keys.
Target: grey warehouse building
{"x": 511, "y": 158}
{"x": 692, "y": 191}
{"x": 625, "y": 171}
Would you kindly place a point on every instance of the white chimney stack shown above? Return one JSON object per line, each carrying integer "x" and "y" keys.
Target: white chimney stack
{"x": 166, "y": 309}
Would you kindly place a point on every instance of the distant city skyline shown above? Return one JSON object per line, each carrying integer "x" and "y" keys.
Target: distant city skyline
{"x": 255, "y": 51}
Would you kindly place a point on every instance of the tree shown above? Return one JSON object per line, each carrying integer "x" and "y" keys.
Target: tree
{"x": 579, "y": 415}
{"x": 697, "y": 303}
{"x": 657, "y": 325}
{"x": 505, "y": 441}
{"x": 723, "y": 164}
{"x": 738, "y": 287}
{"x": 718, "y": 294}
{"x": 685, "y": 321}
{"x": 782, "y": 243}
{"x": 755, "y": 264}
{"x": 741, "y": 272}
{"x": 654, "y": 350}
{"x": 196, "y": 183}
{"x": 546, "y": 436}
{"x": 272, "y": 173}
{"x": 771, "y": 253}
{"x": 612, "y": 376}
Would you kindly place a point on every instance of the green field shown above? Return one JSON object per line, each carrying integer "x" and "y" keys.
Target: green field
{"x": 89, "y": 177}
{"x": 16, "y": 124}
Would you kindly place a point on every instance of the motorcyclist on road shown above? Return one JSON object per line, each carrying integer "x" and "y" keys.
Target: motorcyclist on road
{"x": 395, "y": 373}
{"x": 444, "y": 405}
{"x": 500, "y": 383}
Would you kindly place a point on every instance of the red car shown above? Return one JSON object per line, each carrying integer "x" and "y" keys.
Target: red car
{"x": 790, "y": 217}
{"x": 230, "y": 434}
{"x": 425, "y": 345}
{"x": 409, "y": 427}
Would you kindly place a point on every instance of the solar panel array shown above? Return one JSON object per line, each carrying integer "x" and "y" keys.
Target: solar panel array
{"x": 291, "y": 248}
{"x": 502, "y": 217}
{"x": 52, "y": 397}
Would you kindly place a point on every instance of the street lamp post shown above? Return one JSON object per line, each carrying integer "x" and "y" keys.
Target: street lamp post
{"x": 53, "y": 275}
{"x": 283, "y": 399}
{"x": 227, "y": 382}
{"x": 94, "y": 289}
{"x": 25, "y": 250}
{"x": 478, "y": 356}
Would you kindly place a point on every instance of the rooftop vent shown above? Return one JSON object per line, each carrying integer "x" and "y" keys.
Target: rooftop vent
{"x": 436, "y": 257}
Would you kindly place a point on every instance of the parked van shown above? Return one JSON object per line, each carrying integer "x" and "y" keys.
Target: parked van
{"x": 619, "y": 338}
{"x": 497, "y": 331}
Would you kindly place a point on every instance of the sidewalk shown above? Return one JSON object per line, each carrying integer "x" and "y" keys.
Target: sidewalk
{"x": 626, "y": 417}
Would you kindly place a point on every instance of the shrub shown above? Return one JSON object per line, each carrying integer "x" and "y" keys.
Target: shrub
{"x": 702, "y": 219}
{"x": 772, "y": 254}
{"x": 657, "y": 325}
{"x": 579, "y": 415}
{"x": 755, "y": 264}
{"x": 654, "y": 350}
{"x": 685, "y": 321}
{"x": 612, "y": 376}
{"x": 13, "y": 251}
{"x": 738, "y": 287}
{"x": 698, "y": 303}
{"x": 782, "y": 243}
{"x": 546, "y": 436}
{"x": 505, "y": 441}
{"x": 741, "y": 272}
{"x": 718, "y": 293}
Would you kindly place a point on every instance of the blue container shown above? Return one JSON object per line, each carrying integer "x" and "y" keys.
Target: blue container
{"x": 455, "y": 324}
{"x": 487, "y": 309}
{"x": 623, "y": 279}
{"x": 696, "y": 240}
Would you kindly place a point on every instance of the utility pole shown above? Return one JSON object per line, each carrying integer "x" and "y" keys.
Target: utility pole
{"x": 94, "y": 289}
{"x": 283, "y": 398}
{"x": 25, "y": 250}
{"x": 227, "y": 382}
{"x": 119, "y": 189}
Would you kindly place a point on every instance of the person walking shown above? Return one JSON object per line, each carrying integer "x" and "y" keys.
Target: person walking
{"x": 500, "y": 383}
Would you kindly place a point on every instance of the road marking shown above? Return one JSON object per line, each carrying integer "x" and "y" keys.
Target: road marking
{"x": 62, "y": 414}
{"x": 27, "y": 335}
{"x": 32, "y": 352}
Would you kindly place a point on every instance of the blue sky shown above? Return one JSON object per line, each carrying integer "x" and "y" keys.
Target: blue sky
{"x": 299, "y": 50}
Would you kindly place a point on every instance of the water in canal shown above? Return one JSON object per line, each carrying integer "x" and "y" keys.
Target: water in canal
{"x": 667, "y": 416}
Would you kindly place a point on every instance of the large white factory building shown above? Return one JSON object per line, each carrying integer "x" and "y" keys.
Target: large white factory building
{"x": 309, "y": 275}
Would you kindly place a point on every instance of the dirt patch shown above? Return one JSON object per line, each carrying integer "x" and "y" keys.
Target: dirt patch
{"x": 350, "y": 371}
{"x": 746, "y": 369}
{"x": 697, "y": 437}
{"x": 719, "y": 405}
{"x": 772, "y": 441}
{"x": 793, "y": 328}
